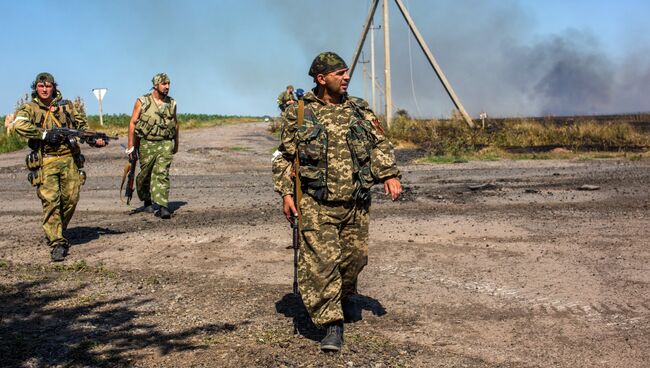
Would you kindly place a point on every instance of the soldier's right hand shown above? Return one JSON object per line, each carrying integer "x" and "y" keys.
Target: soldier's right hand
{"x": 52, "y": 138}
{"x": 131, "y": 153}
{"x": 289, "y": 208}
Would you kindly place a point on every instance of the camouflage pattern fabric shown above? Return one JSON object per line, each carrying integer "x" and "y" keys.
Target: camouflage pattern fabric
{"x": 59, "y": 194}
{"x": 159, "y": 78}
{"x": 152, "y": 181}
{"x": 59, "y": 190}
{"x": 43, "y": 78}
{"x": 333, "y": 251}
{"x": 334, "y": 229}
{"x": 34, "y": 116}
{"x": 283, "y": 98}
{"x": 326, "y": 62}
{"x": 323, "y": 140}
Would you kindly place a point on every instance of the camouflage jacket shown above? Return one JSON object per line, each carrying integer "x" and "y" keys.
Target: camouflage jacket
{"x": 34, "y": 117}
{"x": 342, "y": 150}
{"x": 284, "y": 97}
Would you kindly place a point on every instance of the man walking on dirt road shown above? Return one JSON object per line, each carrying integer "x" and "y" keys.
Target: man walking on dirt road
{"x": 153, "y": 136}
{"x": 55, "y": 161}
{"x": 341, "y": 151}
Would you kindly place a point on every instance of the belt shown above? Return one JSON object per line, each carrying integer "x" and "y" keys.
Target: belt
{"x": 57, "y": 154}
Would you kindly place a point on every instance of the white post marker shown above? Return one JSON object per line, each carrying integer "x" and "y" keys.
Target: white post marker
{"x": 100, "y": 93}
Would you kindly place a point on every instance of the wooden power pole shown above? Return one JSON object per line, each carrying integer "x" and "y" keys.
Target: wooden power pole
{"x": 416, "y": 33}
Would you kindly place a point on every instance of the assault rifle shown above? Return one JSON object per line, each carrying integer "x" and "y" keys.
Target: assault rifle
{"x": 129, "y": 176}
{"x": 297, "y": 219}
{"x": 84, "y": 136}
{"x": 296, "y": 249}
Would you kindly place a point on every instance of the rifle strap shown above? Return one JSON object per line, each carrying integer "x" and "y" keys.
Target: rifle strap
{"x": 297, "y": 184}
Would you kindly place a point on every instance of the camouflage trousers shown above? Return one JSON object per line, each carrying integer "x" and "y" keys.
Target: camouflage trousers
{"x": 153, "y": 179}
{"x": 59, "y": 194}
{"x": 333, "y": 251}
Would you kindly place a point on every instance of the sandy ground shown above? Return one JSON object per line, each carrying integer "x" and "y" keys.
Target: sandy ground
{"x": 525, "y": 271}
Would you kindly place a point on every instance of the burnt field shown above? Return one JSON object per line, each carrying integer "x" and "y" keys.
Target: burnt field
{"x": 526, "y": 263}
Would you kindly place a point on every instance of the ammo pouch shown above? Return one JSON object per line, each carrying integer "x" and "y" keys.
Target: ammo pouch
{"x": 361, "y": 143}
{"x": 154, "y": 129}
{"x": 82, "y": 177}
{"x": 35, "y": 178}
{"x": 143, "y": 126}
{"x": 33, "y": 162}
{"x": 312, "y": 153}
{"x": 79, "y": 161}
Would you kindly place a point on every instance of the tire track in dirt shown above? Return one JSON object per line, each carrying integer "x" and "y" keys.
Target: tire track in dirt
{"x": 617, "y": 315}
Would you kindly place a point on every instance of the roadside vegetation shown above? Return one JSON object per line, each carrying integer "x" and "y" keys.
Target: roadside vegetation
{"x": 445, "y": 141}
{"x": 118, "y": 124}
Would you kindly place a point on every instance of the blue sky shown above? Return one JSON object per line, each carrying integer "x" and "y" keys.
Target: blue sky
{"x": 505, "y": 57}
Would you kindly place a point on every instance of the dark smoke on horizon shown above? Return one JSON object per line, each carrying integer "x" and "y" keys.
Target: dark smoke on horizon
{"x": 494, "y": 59}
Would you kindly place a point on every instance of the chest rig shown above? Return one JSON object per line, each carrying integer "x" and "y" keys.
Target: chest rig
{"x": 156, "y": 123}
{"x": 312, "y": 145}
{"x": 46, "y": 117}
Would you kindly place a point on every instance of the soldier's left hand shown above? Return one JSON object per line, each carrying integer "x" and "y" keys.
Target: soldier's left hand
{"x": 99, "y": 143}
{"x": 393, "y": 188}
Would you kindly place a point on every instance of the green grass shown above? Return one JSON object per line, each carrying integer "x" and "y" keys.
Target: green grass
{"x": 9, "y": 142}
{"x": 77, "y": 266}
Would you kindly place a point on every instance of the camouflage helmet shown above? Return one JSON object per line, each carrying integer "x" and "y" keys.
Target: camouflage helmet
{"x": 289, "y": 87}
{"x": 326, "y": 62}
{"x": 43, "y": 78}
{"x": 159, "y": 78}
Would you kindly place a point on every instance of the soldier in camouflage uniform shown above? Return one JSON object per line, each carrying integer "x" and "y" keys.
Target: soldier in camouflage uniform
{"x": 342, "y": 153}
{"x": 154, "y": 131}
{"x": 286, "y": 98}
{"x": 55, "y": 164}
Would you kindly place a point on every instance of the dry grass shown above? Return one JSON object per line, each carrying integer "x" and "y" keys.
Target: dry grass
{"x": 453, "y": 141}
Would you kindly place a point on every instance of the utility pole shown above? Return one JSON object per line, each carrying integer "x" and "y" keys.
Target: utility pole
{"x": 423, "y": 46}
{"x": 387, "y": 84}
{"x": 434, "y": 63}
{"x": 365, "y": 75}
{"x": 372, "y": 66}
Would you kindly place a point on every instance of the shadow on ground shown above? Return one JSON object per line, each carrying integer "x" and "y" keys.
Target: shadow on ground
{"x": 85, "y": 234}
{"x": 291, "y": 305}
{"x": 171, "y": 206}
{"x": 42, "y": 326}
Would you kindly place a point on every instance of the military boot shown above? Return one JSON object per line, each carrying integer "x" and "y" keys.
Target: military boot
{"x": 333, "y": 340}
{"x": 163, "y": 213}
{"x": 59, "y": 252}
{"x": 148, "y": 207}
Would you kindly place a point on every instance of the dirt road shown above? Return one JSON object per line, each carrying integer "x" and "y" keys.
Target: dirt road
{"x": 482, "y": 264}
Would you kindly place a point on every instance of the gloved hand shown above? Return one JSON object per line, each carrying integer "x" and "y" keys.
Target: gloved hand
{"x": 52, "y": 138}
{"x": 132, "y": 153}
